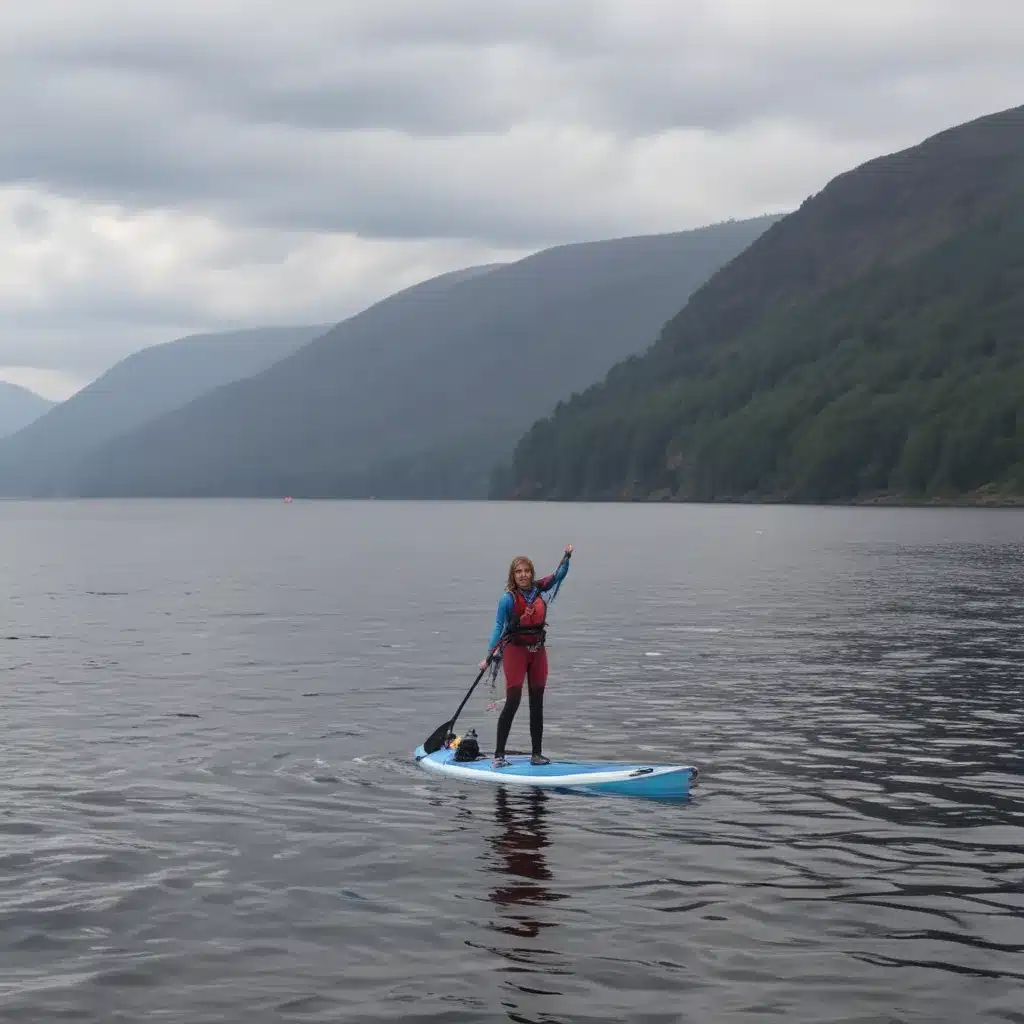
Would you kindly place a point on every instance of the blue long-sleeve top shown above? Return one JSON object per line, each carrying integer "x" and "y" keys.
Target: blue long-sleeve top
{"x": 505, "y": 603}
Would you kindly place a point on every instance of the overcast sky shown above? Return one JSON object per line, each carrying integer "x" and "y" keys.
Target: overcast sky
{"x": 206, "y": 164}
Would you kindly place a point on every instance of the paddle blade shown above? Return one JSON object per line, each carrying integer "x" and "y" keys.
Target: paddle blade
{"x": 435, "y": 741}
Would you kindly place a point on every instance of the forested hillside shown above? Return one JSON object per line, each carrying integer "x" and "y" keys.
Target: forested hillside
{"x": 419, "y": 395}
{"x": 870, "y": 346}
{"x": 19, "y": 407}
{"x": 42, "y": 459}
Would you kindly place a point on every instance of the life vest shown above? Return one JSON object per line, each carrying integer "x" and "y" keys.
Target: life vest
{"x": 526, "y": 623}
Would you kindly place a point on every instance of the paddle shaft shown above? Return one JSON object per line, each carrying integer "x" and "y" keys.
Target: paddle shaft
{"x": 436, "y": 739}
{"x": 458, "y": 710}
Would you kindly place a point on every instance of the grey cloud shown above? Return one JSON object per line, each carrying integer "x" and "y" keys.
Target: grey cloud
{"x": 147, "y": 147}
{"x": 81, "y": 287}
{"x": 170, "y": 107}
{"x": 443, "y": 67}
{"x": 31, "y": 218}
{"x": 502, "y": 124}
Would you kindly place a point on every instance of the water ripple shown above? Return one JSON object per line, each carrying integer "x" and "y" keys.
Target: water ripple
{"x": 209, "y": 812}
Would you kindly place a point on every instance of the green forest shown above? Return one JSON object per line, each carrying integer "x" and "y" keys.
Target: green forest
{"x": 883, "y": 362}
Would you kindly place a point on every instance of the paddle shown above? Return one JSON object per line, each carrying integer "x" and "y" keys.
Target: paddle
{"x": 436, "y": 739}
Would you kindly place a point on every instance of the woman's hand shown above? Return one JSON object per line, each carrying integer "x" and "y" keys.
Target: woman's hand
{"x": 568, "y": 550}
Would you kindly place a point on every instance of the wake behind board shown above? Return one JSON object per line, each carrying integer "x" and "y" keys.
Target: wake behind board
{"x": 658, "y": 781}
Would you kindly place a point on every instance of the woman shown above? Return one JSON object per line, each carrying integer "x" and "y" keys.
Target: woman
{"x": 521, "y": 617}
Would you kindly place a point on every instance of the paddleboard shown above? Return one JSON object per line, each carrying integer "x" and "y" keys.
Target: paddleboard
{"x": 657, "y": 781}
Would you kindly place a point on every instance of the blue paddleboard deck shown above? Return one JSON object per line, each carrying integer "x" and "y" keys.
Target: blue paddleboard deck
{"x": 659, "y": 781}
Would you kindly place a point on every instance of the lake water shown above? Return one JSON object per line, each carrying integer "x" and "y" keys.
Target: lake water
{"x": 848, "y": 681}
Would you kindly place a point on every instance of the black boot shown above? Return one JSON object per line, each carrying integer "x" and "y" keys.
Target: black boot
{"x": 537, "y": 727}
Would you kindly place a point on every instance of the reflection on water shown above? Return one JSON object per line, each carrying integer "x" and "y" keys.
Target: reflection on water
{"x": 518, "y": 846}
{"x": 516, "y": 853}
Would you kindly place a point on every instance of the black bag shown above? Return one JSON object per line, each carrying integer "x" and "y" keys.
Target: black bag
{"x": 468, "y": 748}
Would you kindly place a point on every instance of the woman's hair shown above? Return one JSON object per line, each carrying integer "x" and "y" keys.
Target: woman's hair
{"x": 520, "y": 560}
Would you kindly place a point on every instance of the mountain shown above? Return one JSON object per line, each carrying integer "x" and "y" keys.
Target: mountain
{"x": 42, "y": 458}
{"x": 419, "y": 395}
{"x": 19, "y": 407}
{"x": 869, "y": 346}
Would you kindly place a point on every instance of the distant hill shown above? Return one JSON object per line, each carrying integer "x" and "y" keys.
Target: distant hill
{"x": 19, "y": 407}
{"x": 43, "y": 458}
{"x": 419, "y": 395}
{"x": 869, "y": 346}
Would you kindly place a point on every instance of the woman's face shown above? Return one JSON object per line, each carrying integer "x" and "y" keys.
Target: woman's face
{"x": 523, "y": 576}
